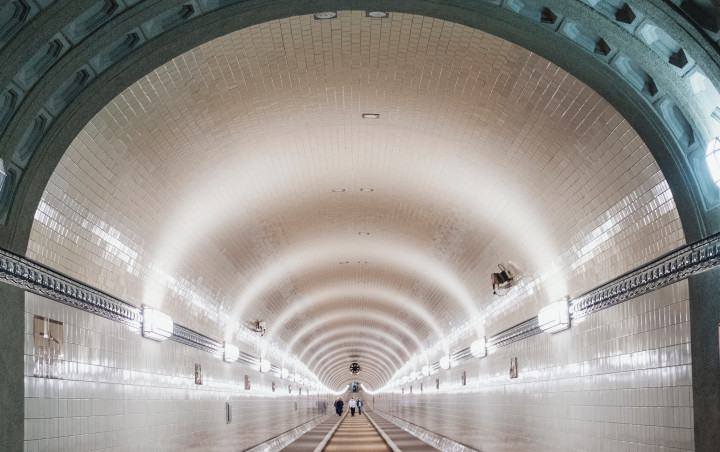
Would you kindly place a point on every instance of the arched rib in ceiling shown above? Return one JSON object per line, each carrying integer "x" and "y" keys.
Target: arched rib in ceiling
{"x": 345, "y": 319}
{"x": 381, "y": 251}
{"x": 339, "y": 379}
{"x": 324, "y": 298}
{"x": 372, "y": 361}
{"x": 345, "y": 349}
{"x": 389, "y": 343}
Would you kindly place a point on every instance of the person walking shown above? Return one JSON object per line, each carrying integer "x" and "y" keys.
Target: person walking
{"x": 359, "y": 406}
{"x": 352, "y": 404}
{"x": 339, "y": 406}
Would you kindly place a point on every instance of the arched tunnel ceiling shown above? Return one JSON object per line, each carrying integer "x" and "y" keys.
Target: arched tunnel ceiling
{"x": 240, "y": 182}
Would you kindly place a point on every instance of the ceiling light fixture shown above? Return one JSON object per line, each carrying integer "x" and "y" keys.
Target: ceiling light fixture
{"x": 284, "y": 373}
{"x": 363, "y": 233}
{"x": 338, "y": 190}
{"x": 371, "y": 115}
{"x": 325, "y": 15}
{"x": 377, "y": 14}
{"x": 367, "y": 189}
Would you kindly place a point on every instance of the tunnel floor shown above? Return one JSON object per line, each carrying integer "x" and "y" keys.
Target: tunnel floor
{"x": 357, "y": 434}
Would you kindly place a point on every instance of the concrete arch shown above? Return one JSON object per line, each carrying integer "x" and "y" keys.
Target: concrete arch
{"x": 211, "y": 24}
{"x": 699, "y": 218}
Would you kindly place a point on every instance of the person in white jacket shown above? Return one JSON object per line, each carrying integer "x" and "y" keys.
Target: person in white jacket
{"x": 352, "y": 405}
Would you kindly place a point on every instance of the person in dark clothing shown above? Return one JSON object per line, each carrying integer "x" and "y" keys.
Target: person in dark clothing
{"x": 339, "y": 406}
{"x": 359, "y": 406}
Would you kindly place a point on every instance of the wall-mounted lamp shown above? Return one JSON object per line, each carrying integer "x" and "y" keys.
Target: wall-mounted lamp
{"x": 479, "y": 348}
{"x": 264, "y": 365}
{"x": 156, "y": 325}
{"x": 555, "y": 317}
{"x": 284, "y": 373}
{"x": 231, "y": 353}
{"x": 426, "y": 370}
{"x": 260, "y": 327}
{"x": 445, "y": 362}
{"x": 500, "y": 280}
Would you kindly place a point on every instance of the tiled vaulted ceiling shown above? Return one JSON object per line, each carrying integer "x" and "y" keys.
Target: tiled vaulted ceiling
{"x": 240, "y": 182}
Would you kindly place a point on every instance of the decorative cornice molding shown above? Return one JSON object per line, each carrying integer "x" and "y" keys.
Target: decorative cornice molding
{"x": 671, "y": 268}
{"x": 189, "y": 337}
{"x": 34, "y": 277}
{"x": 516, "y": 333}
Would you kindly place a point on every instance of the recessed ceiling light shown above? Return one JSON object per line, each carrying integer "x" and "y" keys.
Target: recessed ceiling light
{"x": 363, "y": 233}
{"x": 371, "y": 115}
{"x": 338, "y": 190}
{"x": 367, "y": 189}
{"x": 325, "y": 15}
{"x": 376, "y": 14}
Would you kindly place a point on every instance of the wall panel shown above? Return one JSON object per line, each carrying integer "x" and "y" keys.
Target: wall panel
{"x": 621, "y": 380}
{"x": 115, "y": 390}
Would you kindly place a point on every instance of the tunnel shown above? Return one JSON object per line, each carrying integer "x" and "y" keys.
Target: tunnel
{"x": 494, "y": 222}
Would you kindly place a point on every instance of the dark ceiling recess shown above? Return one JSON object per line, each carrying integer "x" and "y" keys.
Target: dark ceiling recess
{"x": 354, "y": 368}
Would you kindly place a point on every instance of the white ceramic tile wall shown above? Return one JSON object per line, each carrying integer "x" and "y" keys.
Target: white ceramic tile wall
{"x": 187, "y": 190}
{"x": 119, "y": 391}
{"x": 619, "y": 381}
